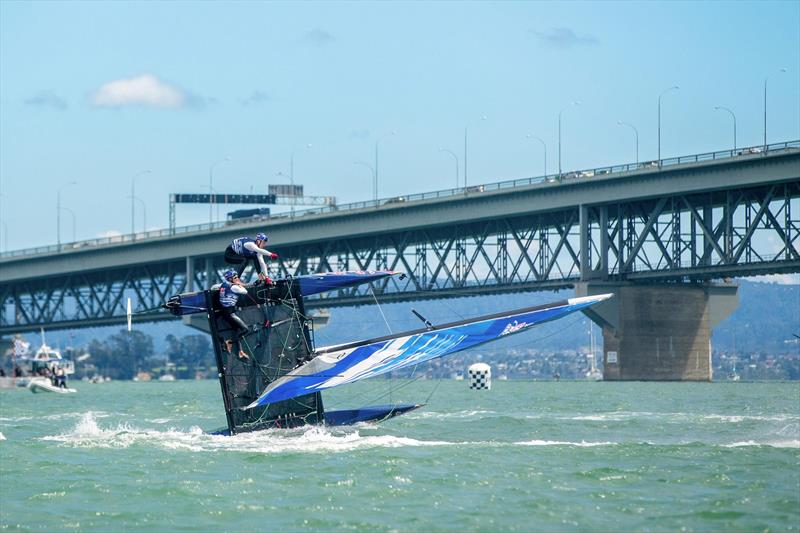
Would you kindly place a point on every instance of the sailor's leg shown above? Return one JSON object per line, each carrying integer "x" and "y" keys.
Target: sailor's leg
{"x": 239, "y": 328}
{"x": 232, "y": 258}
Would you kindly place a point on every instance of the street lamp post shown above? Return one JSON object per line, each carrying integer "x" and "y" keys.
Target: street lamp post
{"x": 765, "y": 110}
{"x": 133, "y": 194}
{"x": 375, "y": 185}
{"x": 372, "y": 175}
{"x": 465, "y": 153}
{"x": 144, "y": 212}
{"x": 576, "y": 103}
{"x": 636, "y": 134}
{"x": 291, "y": 177}
{"x": 544, "y": 146}
{"x": 72, "y": 213}
{"x": 733, "y": 116}
{"x": 58, "y": 211}
{"x": 455, "y": 157}
{"x": 5, "y": 236}
{"x": 665, "y": 91}
{"x": 211, "y": 189}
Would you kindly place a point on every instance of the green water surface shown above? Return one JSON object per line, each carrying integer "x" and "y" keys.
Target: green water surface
{"x": 525, "y": 456}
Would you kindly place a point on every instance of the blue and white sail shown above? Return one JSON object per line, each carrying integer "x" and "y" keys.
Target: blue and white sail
{"x": 348, "y": 363}
{"x": 329, "y": 281}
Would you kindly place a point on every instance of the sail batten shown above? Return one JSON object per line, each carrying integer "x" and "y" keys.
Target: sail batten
{"x": 338, "y": 365}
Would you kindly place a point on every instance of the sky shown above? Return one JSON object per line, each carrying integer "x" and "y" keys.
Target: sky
{"x": 96, "y": 93}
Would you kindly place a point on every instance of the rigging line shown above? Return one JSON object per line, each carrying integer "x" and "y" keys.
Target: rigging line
{"x": 372, "y": 291}
{"x": 438, "y": 382}
{"x": 391, "y": 376}
{"x": 397, "y": 388}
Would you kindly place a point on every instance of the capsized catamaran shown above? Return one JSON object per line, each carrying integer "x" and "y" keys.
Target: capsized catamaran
{"x": 280, "y": 383}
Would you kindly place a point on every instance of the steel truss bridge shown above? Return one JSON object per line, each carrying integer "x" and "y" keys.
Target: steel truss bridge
{"x": 696, "y": 218}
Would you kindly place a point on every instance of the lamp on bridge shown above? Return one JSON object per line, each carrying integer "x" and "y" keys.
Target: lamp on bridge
{"x": 211, "y": 188}
{"x": 133, "y": 195}
{"x": 372, "y": 174}
{"x": 734, "y": 122}
{"x": 665, "y": 91}
{"x": 454, "y": 157}
{"x": 72, "y": 213}
{"x": 291, "y": 176}
{"x": 144, "y": 213}
{"x": 765, "y": 110}
{"x": 465, "y": 153}
{"x": 529, "y": 136}
{"x": 576, "y": 103}
{"x": 58, "y": 211}
{"x": 636, "y": 133}
{"x": 375, "y": 185}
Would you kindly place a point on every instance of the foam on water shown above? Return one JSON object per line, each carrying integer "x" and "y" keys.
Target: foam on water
{"x": 431, "y": 415}
{"x": 629, "y": 415}
{"x": 771, "y": 444}
{"x": 87, "y": 433}
{"x": 583, "y": 444}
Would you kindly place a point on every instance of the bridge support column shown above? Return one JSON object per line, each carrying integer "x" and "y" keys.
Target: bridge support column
{"x": 189, "y": 274}
{"x": 659, "y": 332}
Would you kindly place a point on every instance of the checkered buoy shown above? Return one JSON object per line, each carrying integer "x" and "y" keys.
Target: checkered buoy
{"x": 480, "y": 376}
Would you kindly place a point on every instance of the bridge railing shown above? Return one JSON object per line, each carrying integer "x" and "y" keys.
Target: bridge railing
{"x": 550, "y": 179}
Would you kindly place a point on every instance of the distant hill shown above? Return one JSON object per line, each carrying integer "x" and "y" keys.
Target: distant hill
{"x": 767, "y": 316}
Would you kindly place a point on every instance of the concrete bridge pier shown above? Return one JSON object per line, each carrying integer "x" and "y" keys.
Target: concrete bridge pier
{"x": 658, "y": 332}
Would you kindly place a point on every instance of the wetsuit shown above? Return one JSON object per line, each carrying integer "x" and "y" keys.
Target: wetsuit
{"x": 243, "y": 250}
{"x": 228, "y": 297}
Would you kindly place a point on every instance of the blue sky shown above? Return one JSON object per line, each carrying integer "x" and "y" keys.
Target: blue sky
{"x": 95, "y": 92}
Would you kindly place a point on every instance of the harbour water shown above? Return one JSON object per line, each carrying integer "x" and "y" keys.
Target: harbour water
{"x": 524, "y": 456}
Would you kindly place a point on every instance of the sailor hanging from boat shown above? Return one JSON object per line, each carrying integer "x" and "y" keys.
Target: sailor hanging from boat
{"x": 244, "y": 249}
{"x": 229, "y": 293}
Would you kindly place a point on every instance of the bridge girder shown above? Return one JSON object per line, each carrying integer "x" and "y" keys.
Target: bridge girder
{"x": 678, "y": 237}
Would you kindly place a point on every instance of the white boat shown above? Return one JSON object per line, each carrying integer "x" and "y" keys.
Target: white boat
{"x": 45, "y": 369}
{"x": 40, "y": 384}
{"x": 593, "y": 374}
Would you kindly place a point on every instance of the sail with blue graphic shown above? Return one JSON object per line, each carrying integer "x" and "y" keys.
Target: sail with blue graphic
{"x": 272, "y": 376}
{"x": 348, "y": 363}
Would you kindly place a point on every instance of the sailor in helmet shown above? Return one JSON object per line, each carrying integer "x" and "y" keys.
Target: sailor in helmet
{"x": 229, "y": 293}
{"x": 245, "y": 249}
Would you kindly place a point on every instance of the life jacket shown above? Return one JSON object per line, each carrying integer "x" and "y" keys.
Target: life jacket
{"x": 227, "y": 298}
{"x": 238, "y": 247}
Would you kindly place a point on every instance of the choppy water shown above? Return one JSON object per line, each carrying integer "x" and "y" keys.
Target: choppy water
{"x": 524, "y": 456}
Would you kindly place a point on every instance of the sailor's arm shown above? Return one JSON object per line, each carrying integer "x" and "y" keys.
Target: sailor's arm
{"x": 239, "y": 289}
{"x": 260, "y": 254}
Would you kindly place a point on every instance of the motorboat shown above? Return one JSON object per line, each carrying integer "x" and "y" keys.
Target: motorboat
{"x": 42, "y": 384}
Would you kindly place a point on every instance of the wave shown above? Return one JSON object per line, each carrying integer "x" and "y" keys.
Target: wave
{"x": 87, "y": 433}
{"x": 431, "y": 415}
{"x": 627, "y": 415}
{"x": 582, "y": 443}
{"x": 771, "y": 444}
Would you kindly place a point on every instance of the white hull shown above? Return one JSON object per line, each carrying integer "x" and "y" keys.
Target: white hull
{"x": 44, "y": 385}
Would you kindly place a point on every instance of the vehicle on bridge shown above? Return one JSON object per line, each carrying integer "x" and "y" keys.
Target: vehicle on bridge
{"x": 278, "y": 380}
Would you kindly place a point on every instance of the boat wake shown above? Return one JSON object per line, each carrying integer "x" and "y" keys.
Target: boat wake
{"x": 316, "y": 439}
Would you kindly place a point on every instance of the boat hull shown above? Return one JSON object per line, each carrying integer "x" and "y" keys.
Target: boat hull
{"x": 44, "y": 385}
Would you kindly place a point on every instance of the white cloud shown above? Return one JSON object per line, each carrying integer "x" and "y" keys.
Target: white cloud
{"x": 110, "y": 234}
{"x": 146, "y": 90}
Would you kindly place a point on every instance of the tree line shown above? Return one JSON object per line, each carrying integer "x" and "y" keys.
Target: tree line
{"x": 125, "y": 354}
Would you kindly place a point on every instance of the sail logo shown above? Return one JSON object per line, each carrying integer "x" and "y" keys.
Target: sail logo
{"x": 513, "y": 327}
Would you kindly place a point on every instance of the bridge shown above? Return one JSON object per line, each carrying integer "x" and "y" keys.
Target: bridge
{"x": 686, "y": 219}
